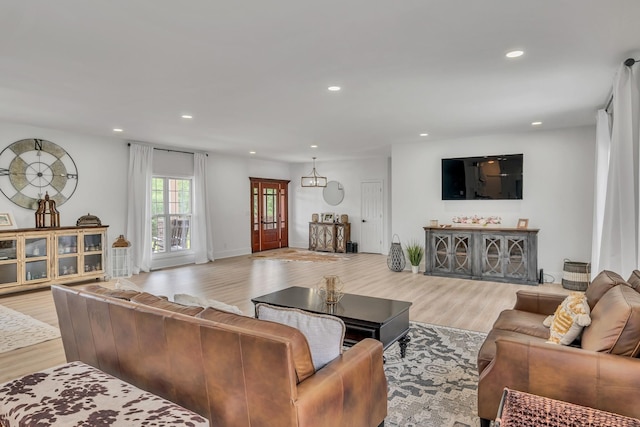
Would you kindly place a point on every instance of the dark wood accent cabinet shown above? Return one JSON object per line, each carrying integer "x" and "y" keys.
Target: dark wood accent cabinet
{"x": 494, "y": 254}
{"x": 329, "y": 237}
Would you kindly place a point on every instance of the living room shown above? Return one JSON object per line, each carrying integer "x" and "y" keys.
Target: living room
{"x": 78, "y": 110}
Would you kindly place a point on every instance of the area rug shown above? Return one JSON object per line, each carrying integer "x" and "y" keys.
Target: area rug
{"x": 436, "y": 383}
{"x": 298, "y": 255}
{"x": 18, "y": 330}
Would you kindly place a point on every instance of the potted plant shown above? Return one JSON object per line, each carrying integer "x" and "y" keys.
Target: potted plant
{"x": 415, "y": 253}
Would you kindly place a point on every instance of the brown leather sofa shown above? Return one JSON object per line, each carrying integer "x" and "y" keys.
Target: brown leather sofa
{"x": 601, "y": 370}
{"x": 237, "y": 371}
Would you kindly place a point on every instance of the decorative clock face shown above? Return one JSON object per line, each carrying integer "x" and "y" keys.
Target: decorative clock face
{"x": 29, "y": 168}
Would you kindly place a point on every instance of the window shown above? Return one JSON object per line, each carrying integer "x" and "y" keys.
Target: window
{"x": 170, "y": 215}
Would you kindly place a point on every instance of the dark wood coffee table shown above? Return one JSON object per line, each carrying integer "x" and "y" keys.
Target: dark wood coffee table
{"x": 364, "y": 317}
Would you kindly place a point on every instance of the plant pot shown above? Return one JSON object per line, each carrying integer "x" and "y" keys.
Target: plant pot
{"x": 415, "y": 269}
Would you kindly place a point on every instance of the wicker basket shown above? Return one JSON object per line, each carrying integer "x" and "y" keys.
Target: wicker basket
{"x": 576, "y": 276}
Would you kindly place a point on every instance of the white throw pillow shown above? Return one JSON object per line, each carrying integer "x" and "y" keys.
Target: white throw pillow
{"x": 127, "y": 285}
{"x": 324, "y": 333}
{"x": 186, "y": 299}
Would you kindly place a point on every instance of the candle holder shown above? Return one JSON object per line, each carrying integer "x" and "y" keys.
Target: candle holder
{"x": 331, "y": 289}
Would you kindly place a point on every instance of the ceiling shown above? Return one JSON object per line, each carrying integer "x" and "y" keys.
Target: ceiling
{"x": 254, "y": 73}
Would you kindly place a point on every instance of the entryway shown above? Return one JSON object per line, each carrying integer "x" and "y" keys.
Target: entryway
{"x": 269, "y": 219}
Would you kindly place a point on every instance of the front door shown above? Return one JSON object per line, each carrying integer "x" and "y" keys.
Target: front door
{"x": 269, "y": 223}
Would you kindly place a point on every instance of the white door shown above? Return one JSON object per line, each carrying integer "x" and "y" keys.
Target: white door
{"x": 372, "y": 209}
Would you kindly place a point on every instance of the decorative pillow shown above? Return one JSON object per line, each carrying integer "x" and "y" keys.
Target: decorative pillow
{"x": 127, "y": 285}
{"x": 324, "y": 333}
{"x": 186, "y": 299}
{"x": 571, "y": 316}
{"x": 601, "y": 284}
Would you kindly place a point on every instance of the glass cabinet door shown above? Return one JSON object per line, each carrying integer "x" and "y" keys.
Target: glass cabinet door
{"x": 8, "y": 261}
{"x": 67, "y": 246}
{"x": 36, "y": 265}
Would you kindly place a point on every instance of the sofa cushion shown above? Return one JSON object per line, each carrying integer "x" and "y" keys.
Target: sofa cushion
{"x": 634, "y": 280}
{"x": 615, "y": 323}
{"x": 160, "y": 302}
{"x": 302, "y": 360}
{"x": 571, "y": 316}
{"x": 186, "y": 299}
{"x": 113, "y": 293}
{"x": 523, "y": 322}
{"x": 324, "y": 333}
{"x": 488, "y": 350}
{"x": 601, "y": 284}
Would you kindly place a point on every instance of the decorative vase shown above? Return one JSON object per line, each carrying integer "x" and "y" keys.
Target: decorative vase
{"x": 415, "y": 269}
{"x": 331, "y": 289}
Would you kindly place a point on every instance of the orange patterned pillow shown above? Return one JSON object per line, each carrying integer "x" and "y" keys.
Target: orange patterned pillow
{"x": 571, "y": 316}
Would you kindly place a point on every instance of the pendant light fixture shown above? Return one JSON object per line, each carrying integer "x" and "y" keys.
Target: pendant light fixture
{"x": 313, "y": 179}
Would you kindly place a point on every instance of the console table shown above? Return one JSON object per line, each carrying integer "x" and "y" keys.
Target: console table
{"x": 329, "y": 236}
{"x": 483, "y": 253}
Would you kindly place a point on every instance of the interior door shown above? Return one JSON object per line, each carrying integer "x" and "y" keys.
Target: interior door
{"x": 269, "y": 224}
{"x": 372, "y": 217}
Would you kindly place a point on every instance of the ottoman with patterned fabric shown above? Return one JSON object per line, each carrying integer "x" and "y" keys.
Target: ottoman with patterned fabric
{"x": 76, "y": 394}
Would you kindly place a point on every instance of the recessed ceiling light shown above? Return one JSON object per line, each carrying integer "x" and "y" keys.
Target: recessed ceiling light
{"x": 334, "y": 88}
{"x": 117, "y": 130}
{"x": 187, "y": 116}
{"x": 424, "y": 134}
{"x": 536, "y": 123}
{"x": 252, "y": 152}
{"x": 313, "y": 146}
{"x": 514, "y": 54}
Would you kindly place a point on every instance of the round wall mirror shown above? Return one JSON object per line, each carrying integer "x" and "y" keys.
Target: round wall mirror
{"x": 333, "y": 193}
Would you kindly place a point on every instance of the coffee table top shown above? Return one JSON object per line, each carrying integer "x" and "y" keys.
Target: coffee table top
{"x": 357, "y": 307}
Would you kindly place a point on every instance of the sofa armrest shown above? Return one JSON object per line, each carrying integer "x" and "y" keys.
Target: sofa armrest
{"x": 350, "y": 390}
{"x": 598, "y": 380}
{"x": 537, "y": 302}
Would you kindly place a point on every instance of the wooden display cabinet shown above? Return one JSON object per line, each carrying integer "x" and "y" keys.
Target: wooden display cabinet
{"x": 33, "y": 258}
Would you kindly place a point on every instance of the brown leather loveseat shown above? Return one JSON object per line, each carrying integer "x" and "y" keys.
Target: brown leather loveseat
{"x": 602, "y": 370}
{"x": 237, "y": 371}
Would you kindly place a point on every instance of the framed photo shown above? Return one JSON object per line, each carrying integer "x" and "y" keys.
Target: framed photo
{"x": 327, "y": 217}
{"x": 7, "y": 221}
{"x": 523, "y": 223}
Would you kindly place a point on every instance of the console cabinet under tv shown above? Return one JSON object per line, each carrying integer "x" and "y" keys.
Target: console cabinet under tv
{"x": 493, "y": 254}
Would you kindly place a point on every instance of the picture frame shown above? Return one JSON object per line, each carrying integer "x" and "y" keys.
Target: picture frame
{"x": 523, "y": 223}
{"x": 7, "y": 221}
{"x": 327, "y": 217}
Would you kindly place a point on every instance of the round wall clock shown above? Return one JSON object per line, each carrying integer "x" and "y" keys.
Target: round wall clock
{"x": 29, "y": 168}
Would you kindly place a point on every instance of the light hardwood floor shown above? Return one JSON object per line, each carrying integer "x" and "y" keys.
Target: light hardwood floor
{"x": 465, "y": 304}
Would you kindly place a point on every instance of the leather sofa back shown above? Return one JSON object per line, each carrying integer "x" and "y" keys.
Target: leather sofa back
{"x": 233, "y": 375}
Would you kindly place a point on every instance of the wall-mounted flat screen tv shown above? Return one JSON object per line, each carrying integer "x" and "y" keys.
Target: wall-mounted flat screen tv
{"x": 484, "y": 177}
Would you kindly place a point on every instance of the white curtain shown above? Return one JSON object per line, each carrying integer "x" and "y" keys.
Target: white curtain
{"x": 139, "y": 206}
{"x": 603, "y": 144}
{"x": 201, "y": 233}
{"x": 619, "y": 226}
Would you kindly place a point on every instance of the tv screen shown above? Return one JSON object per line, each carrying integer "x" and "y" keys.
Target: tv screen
{"x": 484, "y": 177}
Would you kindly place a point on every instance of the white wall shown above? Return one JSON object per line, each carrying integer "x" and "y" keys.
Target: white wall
{"x": 230, "y": 199}
{"x": 102, "y": 175}
{"x": 350, "y": 173}
{"x": 557, "y": 189}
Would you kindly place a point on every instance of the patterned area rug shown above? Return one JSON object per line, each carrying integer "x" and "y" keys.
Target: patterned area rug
{"x": 18, "y": 330}
{"x": 435, "y": 384}
{"x": 298, "y": 255}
